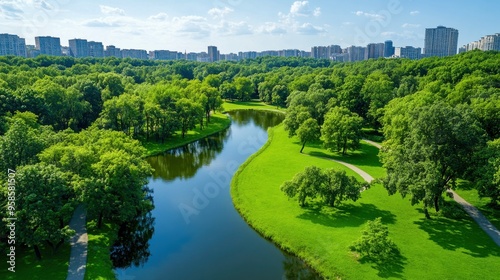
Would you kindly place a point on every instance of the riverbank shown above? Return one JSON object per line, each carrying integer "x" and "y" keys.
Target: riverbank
{"x": 218, "y": 122}
{"x": 440, "y": 248}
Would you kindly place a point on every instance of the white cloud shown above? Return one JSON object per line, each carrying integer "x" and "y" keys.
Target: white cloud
{"x": 372, "y": 16}
{"x": 107, "y": 10}
{"x": 309, "y": 29}
{"x": 159, "y": 17}
{"x": 219, "y": 13}
{"x": 229, "y": 28}
{"x": 191, "y": 26}
{"x": 414, "y": 13}
{"x": 272, "y": 28}
{"x": 302, "y": 8}
{"x": 410, "y": 25}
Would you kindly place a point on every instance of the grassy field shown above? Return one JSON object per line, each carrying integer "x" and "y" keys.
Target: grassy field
{"x": 99, "y": 266}
{"x": 250, "y": 105}
{"x": 52, "y": 266}
{"x": 439, "y": 248}
{"x": 218, "y": 122}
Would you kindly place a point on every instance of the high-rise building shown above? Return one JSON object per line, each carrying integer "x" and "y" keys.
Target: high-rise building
{"x": 165, "y": 55}
{"x": 48, "y": 45}
{"x": 374, "y": 51}
{"x": 408, "y": 52}
{"x": 12, "y": 45}
{"x": 355, "y": 53}
{"x": 486, "y": 43}
{"x": 32, "y": 51}
{"x": 112, "y": 51}
{"x": 79, "y": 48}
{"x": 96, "y": 49}
{"x": 441, "y": 41}
{"x": 388, "y": 48}
{"x": 213, "y": 54}
{"x": 327, "y": 52}
{"x": 136, "y": 54}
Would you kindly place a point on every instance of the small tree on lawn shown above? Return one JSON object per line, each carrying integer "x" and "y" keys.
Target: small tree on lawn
{"x": 308, "y": 131}
{"x": 375, "y": 244}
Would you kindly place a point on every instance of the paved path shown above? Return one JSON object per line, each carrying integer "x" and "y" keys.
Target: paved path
{"x": 79, "y": 242}
{"x": 367, "y": 177}
{"x": 480, "y": 219}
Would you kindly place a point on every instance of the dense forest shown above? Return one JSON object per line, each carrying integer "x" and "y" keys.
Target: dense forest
{"x": 71, "y": 129}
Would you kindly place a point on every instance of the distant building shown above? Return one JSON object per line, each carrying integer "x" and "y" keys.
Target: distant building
{"x": 96, "y": 49}
{"x": 388, "y": 49}
{"x": 213, "y": 54}
{"x": 136, "y": 54}
{"x": 48, "y": 45}
{"x": 409, "y": 52}
{"x": 326, "y": 52}
{"x": 355, "y": 53}
{"x": 32, "y": 51}
{"x": 165, "y": 55}
{"x": 112, "y": 51}
{"x": 79, "y": 48}
{"x": 12, "y": 45}
{"x": 374, "y": 51}
{"x": 486, "y": 43}
{"x": 441, "y": 41}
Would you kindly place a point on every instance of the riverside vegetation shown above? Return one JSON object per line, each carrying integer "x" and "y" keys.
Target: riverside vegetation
{"x": 81, "y": 125}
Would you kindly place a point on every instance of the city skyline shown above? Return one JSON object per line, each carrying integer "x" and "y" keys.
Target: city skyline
{"x": 237, "y": 25}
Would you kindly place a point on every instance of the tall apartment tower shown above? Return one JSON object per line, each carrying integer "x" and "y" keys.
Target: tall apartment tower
{"x": 12, "y": 45}
{"x": 374, "y": 51}
{"x": 213, "y": 54}
{"x": 388, "y": 48}
{"x": 441, "y": 41}
{"x": 48, "y": 45}
{"x": 79, "y": 48}
{"x": 112, "y": 51}
{"x": 96, "y": 49}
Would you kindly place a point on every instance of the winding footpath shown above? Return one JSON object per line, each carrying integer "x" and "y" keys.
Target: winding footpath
{"x": 79, "y": 244}
{"x": 480, "y": 219}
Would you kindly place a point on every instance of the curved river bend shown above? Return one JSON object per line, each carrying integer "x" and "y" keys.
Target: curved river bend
{"x": 194, "y": 232}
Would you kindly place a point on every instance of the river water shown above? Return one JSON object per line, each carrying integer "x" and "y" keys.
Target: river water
{"x": 194, "y": 232}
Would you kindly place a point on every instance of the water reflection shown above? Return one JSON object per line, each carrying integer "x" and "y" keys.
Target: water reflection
{"x": 264, "y": 120}
{"x": 185, "y": 161}
{"x": 296, "y": 269}
{"x": 132, "y": 244}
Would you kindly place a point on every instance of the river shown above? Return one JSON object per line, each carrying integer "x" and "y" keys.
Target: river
{"x": 194, "y": 232}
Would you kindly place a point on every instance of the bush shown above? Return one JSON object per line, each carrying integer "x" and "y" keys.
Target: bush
{"x": 375, "y": 244}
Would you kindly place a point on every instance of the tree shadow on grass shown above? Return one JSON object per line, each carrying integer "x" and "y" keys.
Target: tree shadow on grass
{"x": 367, "y": 156}
{"x": 391, "y": 268}
{"x": 459, "y": 234}
{"x": 346, "y": 215}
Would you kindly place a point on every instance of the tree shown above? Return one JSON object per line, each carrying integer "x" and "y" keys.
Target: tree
{"x": 188, "y": 113}
{"x": 45, "y": 209}
{"x": 116, "y": 192}
{"x": 487, "y": 179}
{"x": 20, "y": 145}
{"x": 244, "y": 88}
{"x": 341, "y": 130}
{"x": 375, "y": 244}
{"x": 295, "y": 116}
{"x": 304, "y": 184}
{"x": 308, "y": 131}
{"x": 433, "y": 146}
{"x": 339, "y": 187}
{"x": 228, "y": 91}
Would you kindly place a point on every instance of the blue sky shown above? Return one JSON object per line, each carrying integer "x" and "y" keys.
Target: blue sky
{"x": 244, "y": 25}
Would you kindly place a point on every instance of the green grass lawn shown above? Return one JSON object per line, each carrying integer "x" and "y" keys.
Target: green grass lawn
{"x": 52, "y": 266}
{"x": 440, "y": 248}
{"x": 249, "y": 105}
{"x": 218, "y": 122}
{"x": 99, "y": 264}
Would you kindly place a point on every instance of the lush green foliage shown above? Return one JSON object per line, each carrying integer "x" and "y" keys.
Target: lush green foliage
{"x": 341, "y": 130}
{"x": 331, "y": 185}
{"x": 375, "y": 244}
